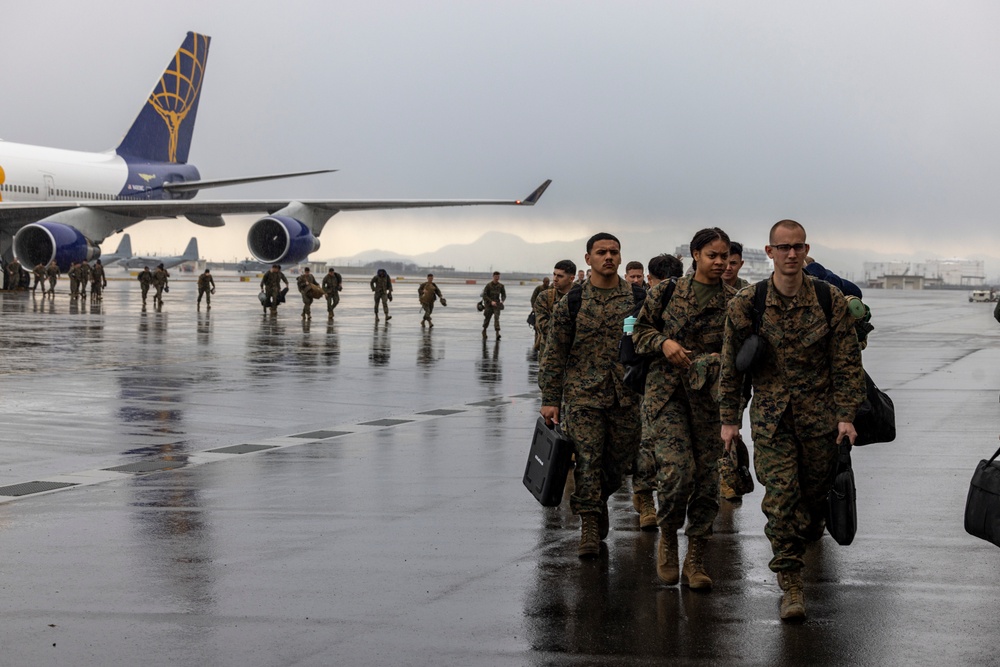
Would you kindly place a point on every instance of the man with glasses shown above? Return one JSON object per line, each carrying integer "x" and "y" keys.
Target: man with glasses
{"x": 806, "y": 391}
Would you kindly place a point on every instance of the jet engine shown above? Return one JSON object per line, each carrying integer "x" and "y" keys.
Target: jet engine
{"x": 44, "y": 241}
{"x": 279, "y": 238}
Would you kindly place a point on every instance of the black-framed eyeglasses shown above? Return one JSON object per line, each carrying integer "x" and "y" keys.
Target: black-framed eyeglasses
{"x": 785, "y": 247}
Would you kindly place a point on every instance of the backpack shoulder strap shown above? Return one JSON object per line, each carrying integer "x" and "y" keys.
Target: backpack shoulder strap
{"x": 574, "y": 300}
{"x": 825, "y": 300}
{"x": 759, "y": 303}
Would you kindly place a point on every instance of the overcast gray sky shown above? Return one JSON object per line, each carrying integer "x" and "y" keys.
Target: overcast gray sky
{"x": 872, "y": 123}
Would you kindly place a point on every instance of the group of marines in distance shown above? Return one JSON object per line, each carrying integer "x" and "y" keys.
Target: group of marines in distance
{"x": 806, "y": 391}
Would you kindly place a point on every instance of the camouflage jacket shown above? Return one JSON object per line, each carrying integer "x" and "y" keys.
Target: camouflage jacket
{"x": 428, "y": 292}
{"x": 97, "y": 275}
{"x": 205, "y": 280}
{"x": 83, "y": 273}
{"x": 381, "y": 284}
{"x": 741, "y": 283}
{"x": 580, "y": 365}
{"x": 696, "y": 329}
{"x": 544, "y": 305}
{"x": 14, "y": 269}
{"x": 273, "y": 280}
{"x": 304, "y": 280}
{"x": 807, "y": 366}
{"x": 160, "y": 276}
{"x": 494, "y": 292}
{"x": 39, "y": 270}
{"x": 145, "y": 277}
{"x": 332, "y": 282}
{"x": 52, "y": 270}
{"x": 538, "y": 291}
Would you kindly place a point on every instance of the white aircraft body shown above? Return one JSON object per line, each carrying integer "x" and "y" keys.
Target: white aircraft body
{"x": 60, "y": 204}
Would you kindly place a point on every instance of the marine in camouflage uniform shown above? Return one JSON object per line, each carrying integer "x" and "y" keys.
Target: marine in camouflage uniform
{"x": 145, "y": 279}
{"x": 580, "y": 369}
{"x": 303, "y": 283}
{"x": 332, "y": 286}
{"x": 545, "y": 303}
{"x": 160, "y": 279}
{"x": 494, "y": 294}
{"x": 206, "y": 286}
{"x": 98, "y": 281}
{"x": 428, "y": 292}
{"x": 39, "y": 273}
{"x": 806, "y": 393}
{"x": 52, "y": 272}
{"x": 74, "y": 279}
{"x": 381, "y": 285}
{"x": 728, "y": 480}
{"x": 270, "y": 285}
{"x": 14, "y": 274}
{"x": 680, "y": 413}
{"x": 83, "y": 276}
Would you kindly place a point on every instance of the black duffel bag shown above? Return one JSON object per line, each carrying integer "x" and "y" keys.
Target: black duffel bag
{"x": 876, "y": 418}
{"x": 842, "y": 501}
{"x": 982, "y": 507}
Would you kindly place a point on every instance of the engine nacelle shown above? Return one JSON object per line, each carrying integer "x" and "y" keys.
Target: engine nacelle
{"x": 44, "y": 241}
{"x": 278, "y": 238}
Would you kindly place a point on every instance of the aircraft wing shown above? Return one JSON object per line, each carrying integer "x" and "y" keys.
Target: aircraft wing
{"x": 14, "y": 215}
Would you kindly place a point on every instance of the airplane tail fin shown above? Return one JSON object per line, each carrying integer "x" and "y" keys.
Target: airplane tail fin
{"x": 191, "y": 251}
{"x": 124, "y": 248}
{"x": 163, "y": 129}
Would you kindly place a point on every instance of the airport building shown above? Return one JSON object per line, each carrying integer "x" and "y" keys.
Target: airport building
{"x": 930, "y": 273}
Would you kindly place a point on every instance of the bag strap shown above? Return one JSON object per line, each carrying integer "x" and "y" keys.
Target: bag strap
{"x": 759, "y": 303}
{"x": 994, "y": 456}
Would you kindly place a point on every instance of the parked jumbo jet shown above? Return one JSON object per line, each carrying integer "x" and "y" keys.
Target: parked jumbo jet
{"x": 190, "y": 254}
{"x": 59, "y": 204}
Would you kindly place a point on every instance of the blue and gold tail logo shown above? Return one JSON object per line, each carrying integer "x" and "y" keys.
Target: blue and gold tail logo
{"x": 162, "y": 132}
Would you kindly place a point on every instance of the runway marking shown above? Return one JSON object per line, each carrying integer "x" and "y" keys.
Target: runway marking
{"x": 57, "y": 483}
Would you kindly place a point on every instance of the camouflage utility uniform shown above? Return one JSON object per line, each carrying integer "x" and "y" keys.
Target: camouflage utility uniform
{"x": 145, "y": 279}
{"x": 39, "y": 273}
{"x": 14, "y": 274}
{"x": 428, "y": 293}
{"x": 680, "y": 411}
{"x": 728, "y": 480}
{"x": 98, "y": 282}
{"x": 580, "y": 369}
{"x": 206, "y": 285}
{"x": 381, "y": 285}
{"x": 543, "y": 307}
{"x": 160, "y": 277}
{"x": 303, "y": 282}
{"x": 270, "y": 283}
{"x": 332, "y": 286}
{"x": 809, "y": 380}
{"x": 52, "y": 271}
{"x": 83, "y": 276}
{"x": 494, "y": 292}
{"x": 74, "y": 279}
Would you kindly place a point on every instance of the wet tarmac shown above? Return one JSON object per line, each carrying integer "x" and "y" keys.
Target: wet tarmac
{"x": 375, "y": 513}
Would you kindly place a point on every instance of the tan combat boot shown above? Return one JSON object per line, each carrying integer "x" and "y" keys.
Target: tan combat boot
{"x": 590, "y": 543}
{"x": 793, "y": 601}
{"x": 667, "y": 565}
{"x": 643, "y": 502}
{"x": 694, "y": 574}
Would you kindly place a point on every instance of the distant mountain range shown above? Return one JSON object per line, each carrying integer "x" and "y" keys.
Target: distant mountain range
{"x": 500, "y": 251}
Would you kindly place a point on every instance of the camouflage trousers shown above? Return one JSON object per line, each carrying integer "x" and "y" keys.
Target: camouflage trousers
{"x": 383, "y": 298}
{"x": 428, "y": 309}
{"x": 644, "y": 469}
{"x": 491, "y": 313}
{"x": 687, "y": 448}
{"x": 332, "y": 299}
{"x": 797, "y": 473}
{"x": 606, "y": 442}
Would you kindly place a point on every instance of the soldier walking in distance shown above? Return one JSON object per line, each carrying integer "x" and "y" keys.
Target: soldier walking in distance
{"x": 304, "y": 283}
{"x": 806, "y": 392}
{"x": 381, "y": 285}
{"x": 270, "y": 285}
{"x": 39, "y": 273}
{"x": 428, "y": 293}
{"x": 581, "y": 371}
{"x": 494, "y": 294}
{"x": 206, "y": 288}
{"x": 682, "y": 325}
{"x": 99, "y": 282}
{"x": 83, "y": 277}
{"x": 14, "y": 274}
{"x": 52, "y": 272}
{"x": 74, "y": 279}
{"x": 145, "y": 279}
{"x": 160, "y": 279}
{"x": 332, "y": 286}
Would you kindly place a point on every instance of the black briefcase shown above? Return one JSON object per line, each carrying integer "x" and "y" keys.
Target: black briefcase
{"x": 982, "y": 507}
{"x": 842, "y": 514}
{"x": 549, "y": 461}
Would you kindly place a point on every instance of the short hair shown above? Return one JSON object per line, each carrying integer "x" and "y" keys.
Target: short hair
{"x": 430, "y": 275}
{"x": 633, "y": 265}
{"x": 666, "y": 266}
{"x": 789, "y": 224}
{"x": 276, "y": 266}
{"x": 306, "y": 269}
{"x": 566, "y": 265}
{"x": 736, "y": 248}
{"x": 496, "y": 273}
{"x": 601, "y": 236}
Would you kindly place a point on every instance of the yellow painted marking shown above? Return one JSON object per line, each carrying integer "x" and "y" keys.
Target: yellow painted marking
{"x": 174, "y": 102}
{"x": 2, "y": 177}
